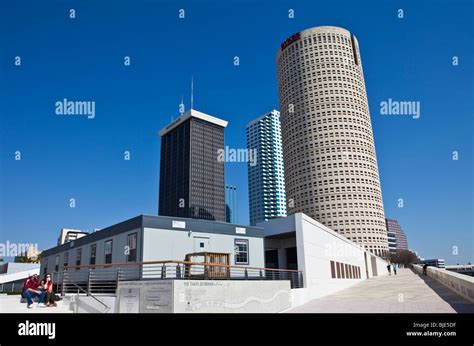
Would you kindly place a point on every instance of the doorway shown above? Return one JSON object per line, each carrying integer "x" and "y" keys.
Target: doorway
{"x": 271, "y": 259}
{"x": 291, "y": 258}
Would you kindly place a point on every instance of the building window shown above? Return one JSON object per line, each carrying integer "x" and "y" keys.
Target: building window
{"x": 45, "y": 265}
{"x": 56, "y": 264}
{"x": 241, "y": 251}
{"x": 108, "y": 251}
{"x": 66, "y": 259}
{"x": 93, "y": 254}
{"x": 132, "y": 247}
{"x": 78, "y": 258}
{"x": 338, "y": 267}
{"x": 333, "y": 270}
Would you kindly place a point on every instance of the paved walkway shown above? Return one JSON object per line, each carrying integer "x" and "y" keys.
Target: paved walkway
{"x": 406, "y": 292}
{"x": 11, "y": 304}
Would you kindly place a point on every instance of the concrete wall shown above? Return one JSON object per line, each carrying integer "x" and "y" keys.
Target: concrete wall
{"x": 203, "y": 296}
{"x": 162, "y": 244}
{"x": 460, "y": 283}
{"x": 231, "y": 296}
{"x": 381, "y": 266}
{"x": 321, "y": 245}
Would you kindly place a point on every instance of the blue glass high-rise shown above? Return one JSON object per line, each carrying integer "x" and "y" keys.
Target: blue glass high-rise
{"x": 267, "y": 197}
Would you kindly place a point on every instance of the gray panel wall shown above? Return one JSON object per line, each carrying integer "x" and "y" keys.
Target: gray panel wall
{"x": 155, "y": 244}
{"x": 119, "y": 242}
{"x": 162, "y": 244}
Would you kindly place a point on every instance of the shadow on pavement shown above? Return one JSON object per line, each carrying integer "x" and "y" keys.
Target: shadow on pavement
{"x": 458, "y": 303}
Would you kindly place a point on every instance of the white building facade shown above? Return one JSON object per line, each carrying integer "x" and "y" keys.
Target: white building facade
{"x": 329, "y": 261}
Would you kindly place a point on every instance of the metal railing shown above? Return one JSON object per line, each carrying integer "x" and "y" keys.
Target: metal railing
{"x": 104, "y": 278}
{"x": 87, "y": 292}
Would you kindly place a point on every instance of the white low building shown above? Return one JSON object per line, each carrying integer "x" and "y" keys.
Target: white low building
{"x": 329, "y": 261}
{"x": 13, "y": 275}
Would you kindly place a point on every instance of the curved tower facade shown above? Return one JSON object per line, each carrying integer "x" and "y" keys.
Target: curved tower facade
{"x": 331, "y": 171}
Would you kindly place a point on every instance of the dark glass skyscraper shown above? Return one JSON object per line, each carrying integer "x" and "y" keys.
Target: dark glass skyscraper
{"x": 191, "y": 176}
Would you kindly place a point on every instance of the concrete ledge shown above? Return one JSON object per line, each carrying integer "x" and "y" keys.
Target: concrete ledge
{"x": 459, "y": 283}
{"x": 203, "y": 296}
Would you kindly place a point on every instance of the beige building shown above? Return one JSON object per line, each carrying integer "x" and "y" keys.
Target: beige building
{"x": 68, "y": 234}
{"x": 331, "y": 168}
{"x": 30, "y": 254}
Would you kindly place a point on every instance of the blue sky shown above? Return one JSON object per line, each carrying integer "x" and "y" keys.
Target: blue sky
{"x": 82, "y": 59}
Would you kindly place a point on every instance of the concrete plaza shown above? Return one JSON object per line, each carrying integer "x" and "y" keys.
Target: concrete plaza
{"x": 406, "y": 292}
{"x": 11, "y": 304}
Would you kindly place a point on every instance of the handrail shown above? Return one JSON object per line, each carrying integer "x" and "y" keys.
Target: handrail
{"x": 177, "y": 262}
{"x": 104, "y": 278}
{"x": 107, "y": 308}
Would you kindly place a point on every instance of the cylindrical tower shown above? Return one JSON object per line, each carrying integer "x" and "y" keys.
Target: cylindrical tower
{"x": 331, "y": 168}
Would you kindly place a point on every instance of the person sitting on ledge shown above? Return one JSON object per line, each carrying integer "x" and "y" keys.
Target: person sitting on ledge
{"x": 31, "y": 290}
{"x": 47, "y": 285}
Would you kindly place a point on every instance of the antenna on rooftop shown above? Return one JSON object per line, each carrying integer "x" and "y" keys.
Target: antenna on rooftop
{"x": 192, "y": 91}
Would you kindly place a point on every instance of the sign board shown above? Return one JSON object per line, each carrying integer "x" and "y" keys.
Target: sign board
{"x": 290, "y": 40}
{"x": 240, "y": 230}
{"x": 179, "y": 224}
{"x": 154, "y": 296}
{"x": 129, "y": 300}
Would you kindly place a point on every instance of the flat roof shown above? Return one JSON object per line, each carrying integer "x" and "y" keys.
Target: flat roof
{"x": 160, "y": 222}
{"x": 192, "y": 113}
{"x": 257, "y": 119}
{"x": 288, "y": 224}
